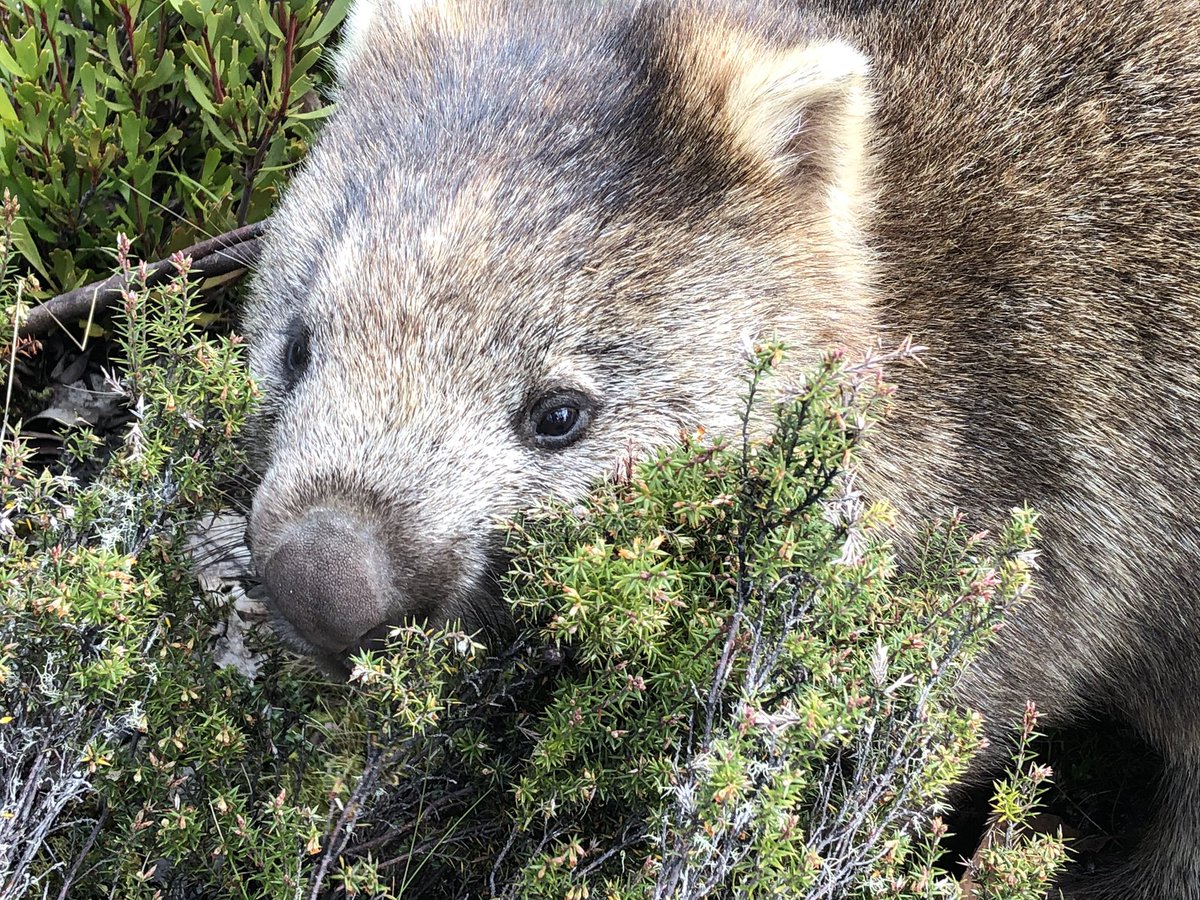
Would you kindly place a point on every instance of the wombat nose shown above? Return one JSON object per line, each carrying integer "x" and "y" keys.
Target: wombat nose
{"x": 328, "y": 578}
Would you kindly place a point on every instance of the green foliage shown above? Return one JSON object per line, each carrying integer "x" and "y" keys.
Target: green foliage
{"x": 1011, "y": 862}
{"x": 97, "y": 627}
{"x": 112, "y": 113}
{"x": 720, "y": 683}
{"x": 764, "y": 704}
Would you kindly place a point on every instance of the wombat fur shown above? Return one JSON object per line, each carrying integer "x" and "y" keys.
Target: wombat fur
{"x": 534, "y": 235}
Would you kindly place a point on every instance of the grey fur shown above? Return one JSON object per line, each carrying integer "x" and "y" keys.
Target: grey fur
{"x": 517, "y": 197}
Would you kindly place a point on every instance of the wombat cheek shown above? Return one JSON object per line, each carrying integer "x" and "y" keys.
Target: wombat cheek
{"x": 328, "y": 577}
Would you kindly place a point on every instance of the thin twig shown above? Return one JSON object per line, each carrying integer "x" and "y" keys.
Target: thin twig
{"x": 87, "y": 848}
{"x": 221, "y": 255}
{"x": 399, "y": 831}
{"x": 635, "y": 833}
{"x": 340, "y": 836}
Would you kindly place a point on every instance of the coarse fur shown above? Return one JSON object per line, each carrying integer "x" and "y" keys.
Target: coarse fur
{"x": 598, "y": 201}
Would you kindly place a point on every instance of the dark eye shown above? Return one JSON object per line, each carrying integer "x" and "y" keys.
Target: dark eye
{"x": 560, "y": 420}
{"x": 295, "y": 356}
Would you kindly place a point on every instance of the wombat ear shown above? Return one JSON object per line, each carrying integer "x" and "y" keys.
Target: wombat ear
{"x": 804, "y": 111}
{"x": 391, "y": 17}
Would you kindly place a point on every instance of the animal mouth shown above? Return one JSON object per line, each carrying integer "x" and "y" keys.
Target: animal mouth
{"x": 335, "y": 661}
{"x": 334, "y": 583}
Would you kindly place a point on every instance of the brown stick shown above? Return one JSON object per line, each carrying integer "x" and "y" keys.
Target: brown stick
{"x": 225, "y": 253}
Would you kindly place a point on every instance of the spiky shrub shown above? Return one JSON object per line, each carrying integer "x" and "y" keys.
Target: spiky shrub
{"x": 93, "y": 673}
{"x": 720, "y": 683}
{"x": 113, "y": 112}
{"x": 723, "y": 687}
{"x": 762, "y": 703}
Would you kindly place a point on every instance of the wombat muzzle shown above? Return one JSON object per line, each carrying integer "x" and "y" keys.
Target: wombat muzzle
{"x": 329, "y": 578}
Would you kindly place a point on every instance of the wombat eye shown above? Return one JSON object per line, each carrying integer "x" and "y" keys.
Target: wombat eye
{"x": 295, "y": 356}
{"x": 559, "y": 421}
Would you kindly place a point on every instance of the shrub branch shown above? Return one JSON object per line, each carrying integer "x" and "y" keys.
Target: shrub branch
{"x": 233, "y": 251}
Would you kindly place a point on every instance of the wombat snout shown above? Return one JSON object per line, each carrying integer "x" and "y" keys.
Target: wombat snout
{"x": 329, "y": 578}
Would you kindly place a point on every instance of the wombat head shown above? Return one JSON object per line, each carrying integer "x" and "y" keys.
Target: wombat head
{"x": 532, "y": 238}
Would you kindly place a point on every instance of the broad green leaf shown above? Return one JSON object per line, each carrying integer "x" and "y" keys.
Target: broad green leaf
{"x": 196, "y": 53}
{"x": 198, "y": 90}
{"x": 119, "y": 106}
{"x": 315, "y": 114}
{"x": 114, "y": 51}
{"x": 25, "y": 49}
{"x": 276, "y": 81}
{"x": 212, "y": 159}
{"x": 171, "y": 136}
{"x": 301, "y": 86}
{"x": 66, "y": 276}
{"x": 208, "y": 187}
{"x": 7, "y": 113}
{"x": 332, "y": 19}
{"x": 190, "y": 11}
{"x": 27, "y": 247}
{"x": 233, "y": 71}
{"x": 85, "y": 73}
{"x": 10, "y": 65}
{"x": 219, "y": 133}
{"x": 37, "y": 125}
{"x": 131, "y": 135}
{"x": 267, "y": 18}
{"x": 306, "y": 62}
{"x": 164, "y": 71}
{"x": 248, "y": 19}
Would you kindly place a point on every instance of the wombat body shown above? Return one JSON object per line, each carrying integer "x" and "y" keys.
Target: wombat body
{"x": 535, "y": 234}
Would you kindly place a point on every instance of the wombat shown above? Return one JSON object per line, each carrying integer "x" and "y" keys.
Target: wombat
{"x": 535, "y": 234}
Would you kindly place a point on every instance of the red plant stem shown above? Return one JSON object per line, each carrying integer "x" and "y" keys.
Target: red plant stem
{"x": 288, "y": 63}
{"x": 161, "y": 47}
{"x": 58, "y": 69}
{"x": 127, "y": 19}
{"x": 288, "y": 25}
{"x": 217, "y": 85}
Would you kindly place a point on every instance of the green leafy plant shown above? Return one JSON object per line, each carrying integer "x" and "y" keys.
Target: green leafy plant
{"x": 167, "y": 121}
{"x": 719, "y": 684}
{"x": 1011, "y": 862}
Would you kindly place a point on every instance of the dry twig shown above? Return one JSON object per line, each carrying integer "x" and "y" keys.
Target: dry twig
{"x": 230, "y": 252}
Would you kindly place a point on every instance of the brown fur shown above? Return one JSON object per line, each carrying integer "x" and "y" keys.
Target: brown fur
{"x": 519, "y": 198}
